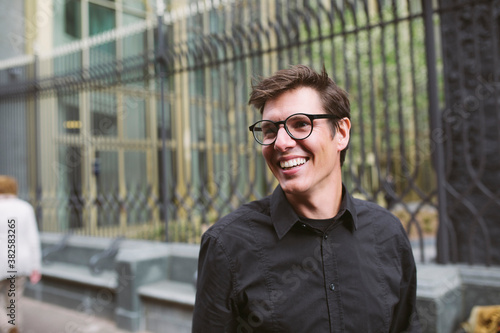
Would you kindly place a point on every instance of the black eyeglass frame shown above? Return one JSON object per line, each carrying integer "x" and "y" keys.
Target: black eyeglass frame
{"x": 278, "y": 123}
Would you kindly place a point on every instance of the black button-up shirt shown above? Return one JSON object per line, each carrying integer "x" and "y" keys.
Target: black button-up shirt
{"x": 263, "y": 269}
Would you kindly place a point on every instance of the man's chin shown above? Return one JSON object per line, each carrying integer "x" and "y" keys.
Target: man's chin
{"x": 293, "y": 188}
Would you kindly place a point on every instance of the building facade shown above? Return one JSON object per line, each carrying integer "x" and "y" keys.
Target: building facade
{"x": 85, "y": 100}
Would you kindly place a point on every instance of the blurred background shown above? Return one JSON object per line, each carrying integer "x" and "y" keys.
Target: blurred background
{"x": 130, "y": 118}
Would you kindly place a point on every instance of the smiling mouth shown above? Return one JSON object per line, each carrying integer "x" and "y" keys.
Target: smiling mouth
{"x": 287, "y": 165}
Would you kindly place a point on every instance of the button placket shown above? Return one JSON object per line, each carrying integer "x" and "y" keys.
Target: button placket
{"x": 331, "y": 281}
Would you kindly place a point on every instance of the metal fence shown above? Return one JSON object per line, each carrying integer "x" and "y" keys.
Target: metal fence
{"x": 129, "y": 132}
{"x": 470, "y": 132}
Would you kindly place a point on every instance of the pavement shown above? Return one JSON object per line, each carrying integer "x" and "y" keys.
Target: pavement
{"x": 41, "y": 317}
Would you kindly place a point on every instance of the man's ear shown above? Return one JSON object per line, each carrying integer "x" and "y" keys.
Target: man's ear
{"x": 343, "y": 133}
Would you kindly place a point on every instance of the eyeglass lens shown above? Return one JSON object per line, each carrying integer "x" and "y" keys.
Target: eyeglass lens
{"x": 298, "y": 126}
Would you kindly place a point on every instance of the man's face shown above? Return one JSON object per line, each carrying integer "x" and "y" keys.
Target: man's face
{"x": 313, "y": 163}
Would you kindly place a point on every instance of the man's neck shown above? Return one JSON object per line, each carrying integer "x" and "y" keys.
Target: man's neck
{"x": 321, "y": 204}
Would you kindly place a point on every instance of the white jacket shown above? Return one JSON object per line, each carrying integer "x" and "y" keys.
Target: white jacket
{"x": 27, "y": 240}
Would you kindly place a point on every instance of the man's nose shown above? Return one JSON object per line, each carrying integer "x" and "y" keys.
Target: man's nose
{"x": 283, "y": 140}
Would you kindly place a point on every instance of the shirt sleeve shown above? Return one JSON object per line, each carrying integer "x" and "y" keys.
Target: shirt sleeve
{"x": 405, "y": 317}
{"x": 214, "y": 309}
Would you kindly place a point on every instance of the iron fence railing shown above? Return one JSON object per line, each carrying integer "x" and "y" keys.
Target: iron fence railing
{"x": 127, "y": 143}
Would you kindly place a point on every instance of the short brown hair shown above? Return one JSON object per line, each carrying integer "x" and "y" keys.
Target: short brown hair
{"x": 8, "y": 185}
{"x": 335, "y": 100}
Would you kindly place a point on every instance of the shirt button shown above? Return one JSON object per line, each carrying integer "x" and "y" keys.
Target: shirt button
{"x": 303, "y": 225}
{"x": 325, "y": 236}
{"x": 332, "y": 287}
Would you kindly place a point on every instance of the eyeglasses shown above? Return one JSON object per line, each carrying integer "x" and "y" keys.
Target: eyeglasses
{"x": 299, "y": 126}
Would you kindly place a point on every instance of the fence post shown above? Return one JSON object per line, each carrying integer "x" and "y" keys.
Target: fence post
{"x": 36, "y": 159}
{"x": 161, "y": 66}
{"x": 436, "y": 132}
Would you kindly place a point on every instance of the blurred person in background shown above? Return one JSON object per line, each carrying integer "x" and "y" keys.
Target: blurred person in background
{"x": 20, "y": 255}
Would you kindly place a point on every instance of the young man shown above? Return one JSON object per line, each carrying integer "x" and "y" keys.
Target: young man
{"x": 310, "y": 257}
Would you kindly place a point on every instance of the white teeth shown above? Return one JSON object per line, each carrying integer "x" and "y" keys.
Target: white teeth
{"x": 292, "y": 163}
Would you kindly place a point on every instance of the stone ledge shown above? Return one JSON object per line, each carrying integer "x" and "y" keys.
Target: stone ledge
{"x": 80, "y": 274}
{"x": 435, "y": 281}
{"x": 480, "y": 275}
{"x": 170, "y": 291}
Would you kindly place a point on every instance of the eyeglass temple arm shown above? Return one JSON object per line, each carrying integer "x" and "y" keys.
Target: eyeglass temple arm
{"x": 252, "y": 129}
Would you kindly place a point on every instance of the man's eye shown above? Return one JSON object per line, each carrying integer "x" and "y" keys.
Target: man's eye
{"x": 268, "y": 130}
{"x": 300, "y": 124}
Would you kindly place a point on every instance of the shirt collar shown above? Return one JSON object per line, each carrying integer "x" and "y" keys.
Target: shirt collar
{"x": 283, "y": 216}
{"x": 350, "y": 208}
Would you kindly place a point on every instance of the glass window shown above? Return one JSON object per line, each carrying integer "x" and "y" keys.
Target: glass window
{"x": 134, "y": 117}
{"x": 67, "y": 20}
{"x": 105, "y": 170}
{"x": 103, "y": 113}
{"x": 133, "y": 44}
{"x": 134, "y": 5}
{"x": 128, "y": 18}
{"x": 101, "y": 19}
{"x": 69, "y": 178}
{"x": 67, "y": 63}
{"x": 69, "y": 114}
{"x": 135, "y": 168}
{"x": 72, "y": 18}
{"x": 138, "y": 210}
{"x": 103, "y": 54}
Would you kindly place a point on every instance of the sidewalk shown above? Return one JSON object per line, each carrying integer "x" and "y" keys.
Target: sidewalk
{"x": 40, "y": 317}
